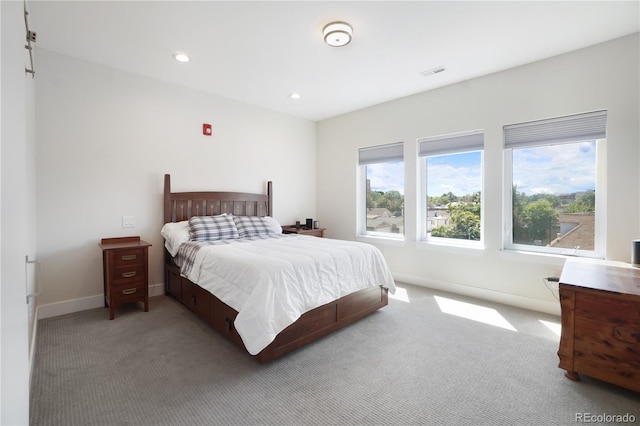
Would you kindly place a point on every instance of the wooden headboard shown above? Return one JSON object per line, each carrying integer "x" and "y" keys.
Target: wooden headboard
{"x": 179, "y": 206}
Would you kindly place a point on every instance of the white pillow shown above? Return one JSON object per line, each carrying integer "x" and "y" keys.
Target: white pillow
{"x": 174, "y": 234}
{"x": 273, "y": 224}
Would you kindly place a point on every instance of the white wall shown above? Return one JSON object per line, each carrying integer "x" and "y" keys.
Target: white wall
{"x": 105, "y": 139}
{"x": 600, "y": 77}
{"x": 17, "y": 224}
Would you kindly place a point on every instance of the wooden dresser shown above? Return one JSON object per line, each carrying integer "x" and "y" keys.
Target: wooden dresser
{"x": 600, "y": 304}
{"x": 125, "y": 263}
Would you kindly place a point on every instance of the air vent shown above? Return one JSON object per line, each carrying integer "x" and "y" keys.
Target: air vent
{"x": 432, "y": 71}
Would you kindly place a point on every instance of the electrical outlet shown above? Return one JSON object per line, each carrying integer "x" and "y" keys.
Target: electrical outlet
{"x": 128, "y": 221}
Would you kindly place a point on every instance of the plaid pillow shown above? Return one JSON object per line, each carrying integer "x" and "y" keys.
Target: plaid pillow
{"x": 249, "y": 226}
{"x": 208, "y": 228}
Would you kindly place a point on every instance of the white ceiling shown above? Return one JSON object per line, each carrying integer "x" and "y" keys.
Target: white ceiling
{"x": 260, "y": 52}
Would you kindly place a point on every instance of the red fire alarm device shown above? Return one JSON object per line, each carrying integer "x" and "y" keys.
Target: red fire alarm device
{"x": 206, "y": 129}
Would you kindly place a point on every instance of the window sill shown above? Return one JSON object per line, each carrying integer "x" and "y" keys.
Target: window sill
{"x": 387, "y": 241}
{"x": 534, "y": 257}
{"x": 467, "y": 249}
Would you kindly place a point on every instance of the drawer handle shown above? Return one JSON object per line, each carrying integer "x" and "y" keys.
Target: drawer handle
{"x": 128, "y": 274}
{"x": 129, "y": 291}
{"x": 129, "y": 257}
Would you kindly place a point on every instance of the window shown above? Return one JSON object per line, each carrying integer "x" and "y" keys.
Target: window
{"x": 452, "y": 187}
{"x": 382, "y": 189}
{"x": 554, "y": 203}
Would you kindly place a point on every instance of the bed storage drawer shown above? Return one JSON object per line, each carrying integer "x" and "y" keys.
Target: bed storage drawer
{"x": 361, "y": 302}
{"x": 174, "y": 281}
{"x": 324, "y": 316}
{"x": 222, "y": 317}
{"x": 195, "y": 298}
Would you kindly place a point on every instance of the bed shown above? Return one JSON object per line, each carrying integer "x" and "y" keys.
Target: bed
{"x": 261, "y": 270}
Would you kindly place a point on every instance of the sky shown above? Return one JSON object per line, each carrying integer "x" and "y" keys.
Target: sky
{"x": 386, "y": 176}
{"x": 557, "y": 169}
{"x": 460, "y": 174}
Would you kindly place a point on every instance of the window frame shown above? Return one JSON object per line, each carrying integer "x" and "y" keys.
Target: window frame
{"x": 367, "y": 156}
{"x": 556, "y": 134}
{"x": 455, "y": 143}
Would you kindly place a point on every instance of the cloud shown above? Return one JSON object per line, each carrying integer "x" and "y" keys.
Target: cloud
{"x": 557, "y": 169}
{"x": 460, "y": 174}
{"x": 386, "y": 176}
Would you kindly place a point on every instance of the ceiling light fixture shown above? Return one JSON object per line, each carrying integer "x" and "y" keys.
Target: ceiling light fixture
{"x": 337, "y": 34}
{"x": 181, "y": 57}
{"x": 295, "y": 95}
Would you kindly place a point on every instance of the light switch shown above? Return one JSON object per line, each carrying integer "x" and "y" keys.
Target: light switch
{"x": 128, "y": 221}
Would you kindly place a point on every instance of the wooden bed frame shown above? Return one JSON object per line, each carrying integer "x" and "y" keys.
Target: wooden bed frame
{"x": 179, "y": 206}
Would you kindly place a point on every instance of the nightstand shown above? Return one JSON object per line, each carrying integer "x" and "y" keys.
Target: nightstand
{"x": 291, "y": 229}
{"x": 125, "y": 264}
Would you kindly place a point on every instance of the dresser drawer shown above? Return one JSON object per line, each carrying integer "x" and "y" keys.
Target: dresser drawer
{"x": 130, "y": 274}
{"x": 128, "y": 293}
{"x": 128, "y": 257}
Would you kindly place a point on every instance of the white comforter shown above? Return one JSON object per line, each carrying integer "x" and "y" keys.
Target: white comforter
{"x": 272, "y": 282}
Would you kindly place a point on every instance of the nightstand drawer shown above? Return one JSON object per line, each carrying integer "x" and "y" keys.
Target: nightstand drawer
{"x": 122, "y": 276}
{"x": 132, "y": 292}
{"x": 128, "y": 257}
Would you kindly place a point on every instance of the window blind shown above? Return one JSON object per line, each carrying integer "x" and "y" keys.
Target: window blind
{"x": 451, "y": 144}
{"x": 571, "y": 128}
{"x": 381, "y": 153}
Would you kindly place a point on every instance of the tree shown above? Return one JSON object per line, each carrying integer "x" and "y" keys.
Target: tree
{"x": 393, "y": 201}
{"x": 586, "y": 203}
{"x": 540, "y": 218}
{"x": 374, "y": 198}
{"x": 520, "y": 227}
{"x": 464, "y": 222}
{"x": 552, "y": 198}
{"x": 390, "y": 200}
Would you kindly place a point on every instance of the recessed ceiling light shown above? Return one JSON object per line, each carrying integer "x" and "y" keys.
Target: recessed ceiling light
{"x": 181, "y": 57}
{"x": 337, "y": 34}
{"x": 295, "y": 95}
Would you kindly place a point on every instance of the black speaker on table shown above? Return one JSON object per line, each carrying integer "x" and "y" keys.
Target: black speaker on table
{"x": 635, "y": 253}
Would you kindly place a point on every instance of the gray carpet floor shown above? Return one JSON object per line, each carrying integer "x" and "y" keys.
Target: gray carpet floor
{"x": 409, "y": 363}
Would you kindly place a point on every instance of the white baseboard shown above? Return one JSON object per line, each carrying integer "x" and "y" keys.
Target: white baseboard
{"x": 82, "y": 304}
{"x": 552, "y": 308}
